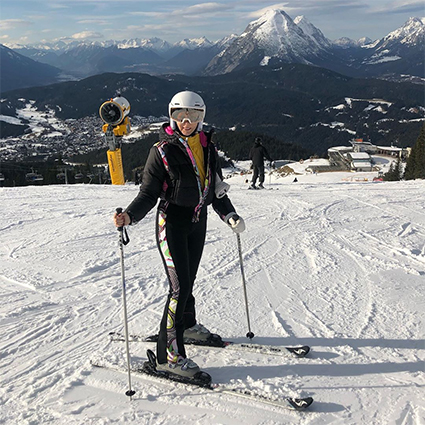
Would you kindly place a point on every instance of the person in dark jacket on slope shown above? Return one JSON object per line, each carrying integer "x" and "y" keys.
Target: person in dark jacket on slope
{"x": 182, "y": 170}
{"x": 257, "y": 154}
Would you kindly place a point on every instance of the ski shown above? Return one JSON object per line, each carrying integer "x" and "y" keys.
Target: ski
{"x": 215, "y": 341}
{"x": 203, "y": 380}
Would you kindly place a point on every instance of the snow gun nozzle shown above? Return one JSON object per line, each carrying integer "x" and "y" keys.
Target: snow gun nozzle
{"x": 250, "y": 335}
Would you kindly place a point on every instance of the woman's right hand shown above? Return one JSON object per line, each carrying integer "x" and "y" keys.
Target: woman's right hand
{"x": 122, "y": 219}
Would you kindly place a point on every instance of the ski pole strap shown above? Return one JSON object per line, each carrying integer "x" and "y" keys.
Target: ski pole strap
{"x": 124, "y": 235}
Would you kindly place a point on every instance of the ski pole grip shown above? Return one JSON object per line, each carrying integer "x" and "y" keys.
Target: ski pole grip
{"x": 119, "y": 211}
{"x": 123, "y": 231}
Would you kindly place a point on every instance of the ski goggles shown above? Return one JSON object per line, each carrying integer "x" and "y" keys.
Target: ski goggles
{"x": 187, "y": 114}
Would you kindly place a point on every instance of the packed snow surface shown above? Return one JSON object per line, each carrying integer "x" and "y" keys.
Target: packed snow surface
{"x": 329, "y": 262}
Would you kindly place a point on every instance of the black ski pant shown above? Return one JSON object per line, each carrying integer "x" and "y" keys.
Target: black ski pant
{"x": 181, "y": 243}
{"x": 258, "y": 173}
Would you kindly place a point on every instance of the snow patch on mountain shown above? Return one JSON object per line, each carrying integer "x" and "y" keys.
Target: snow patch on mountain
{"x": 375, "y": 59}
{"x": 11, "y": 120}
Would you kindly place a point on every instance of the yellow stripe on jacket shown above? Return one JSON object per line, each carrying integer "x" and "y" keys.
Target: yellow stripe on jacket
{"x": 194, "y": 143}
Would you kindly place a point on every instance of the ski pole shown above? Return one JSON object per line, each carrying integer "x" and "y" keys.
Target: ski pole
{"x": 270, "y": 173}
{"x": 124, "y": 241}
{"x": 249, "y": 335}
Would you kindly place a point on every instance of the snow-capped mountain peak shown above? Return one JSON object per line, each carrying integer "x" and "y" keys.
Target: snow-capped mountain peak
{"x": 272, "y": 28}
{"x": 364, "y": 41}
{"x": 280, "y": 36}
{"x": 411, "y": 33}
{"x": 194, "y": 43}
{"x": 345, "y": 42}
{"x": 272, "y": 36}
{"x": 408, "y": 39}
{"x": 156, "y": 44}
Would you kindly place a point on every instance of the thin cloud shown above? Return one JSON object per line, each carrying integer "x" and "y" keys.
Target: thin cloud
{"x": 65, "y": 3}
{"x": 207, "y": 8}
{"x": 58, "y": 6}
{"x": 10, "y": 24}
{"x": 94, "y": 21}
{"x": 149, "y": 14}
{"x": 87, "y": 34}
{"x": 158, "y": 28}
{"x": 196, "y": 10}
{"x": 415, "y": 8}
{"x": 304, "y": 7}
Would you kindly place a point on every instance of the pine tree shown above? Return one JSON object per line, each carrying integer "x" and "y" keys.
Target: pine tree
{"x": 395, "y": 172}
{"x": 415, "y": 167}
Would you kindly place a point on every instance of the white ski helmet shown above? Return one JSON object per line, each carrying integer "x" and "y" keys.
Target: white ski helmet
{"x": 187, "y": 100}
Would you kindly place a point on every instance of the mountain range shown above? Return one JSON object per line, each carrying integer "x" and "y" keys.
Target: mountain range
{"x": 272, "y": 39}
{"x": 20, "y": 71}
{"x": 295, "y": 103}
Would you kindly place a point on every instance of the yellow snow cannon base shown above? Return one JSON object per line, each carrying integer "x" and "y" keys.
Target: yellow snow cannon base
{"x": 116, "y": 169}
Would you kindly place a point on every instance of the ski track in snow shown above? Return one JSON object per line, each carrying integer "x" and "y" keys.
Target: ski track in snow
{"x": 337, "y": 266}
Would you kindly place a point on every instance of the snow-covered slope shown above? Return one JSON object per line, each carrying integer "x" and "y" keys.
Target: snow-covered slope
{"x": 334, "y": 264}
{"x": 311, "y": 31}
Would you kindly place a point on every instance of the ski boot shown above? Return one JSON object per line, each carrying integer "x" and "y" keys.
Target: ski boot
{"x": 183, "y": 367}
{"x": 180, "y": 373}
{"x": 197, "y": 331}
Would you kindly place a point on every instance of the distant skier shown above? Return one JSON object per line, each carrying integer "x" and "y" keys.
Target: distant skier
{"x": 257, "y": 154}
{"x": 182, "y": 170}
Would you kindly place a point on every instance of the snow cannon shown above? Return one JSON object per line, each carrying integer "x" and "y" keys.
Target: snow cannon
{"x": 115, "y": 110}
{"x": 114, "y": 114}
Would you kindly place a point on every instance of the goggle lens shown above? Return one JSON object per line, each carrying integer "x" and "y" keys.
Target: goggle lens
{"x": 186, "y": 114}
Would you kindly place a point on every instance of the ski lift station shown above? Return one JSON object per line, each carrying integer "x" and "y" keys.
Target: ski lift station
{"x": 360, "y": 161}
{"x": 357, "y": 157}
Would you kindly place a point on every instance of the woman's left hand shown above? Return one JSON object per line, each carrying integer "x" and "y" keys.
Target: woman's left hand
{"x": 236, "y": 223}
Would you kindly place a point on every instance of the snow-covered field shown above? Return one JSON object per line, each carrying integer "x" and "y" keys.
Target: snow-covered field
{"x": 335, "y": 264}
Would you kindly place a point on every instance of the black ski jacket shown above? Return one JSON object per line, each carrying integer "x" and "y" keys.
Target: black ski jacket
{"x": 178, "y": 185}
{"x": 257, "y": 154}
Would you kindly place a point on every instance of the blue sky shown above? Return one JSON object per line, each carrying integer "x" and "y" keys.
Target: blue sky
{"x": 32, "y": 21}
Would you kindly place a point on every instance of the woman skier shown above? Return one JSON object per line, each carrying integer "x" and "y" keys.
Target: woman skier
{"x": 182, "y": 170}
